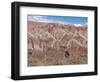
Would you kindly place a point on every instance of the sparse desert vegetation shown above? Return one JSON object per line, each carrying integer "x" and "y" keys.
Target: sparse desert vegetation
{"x": 56, "y": 44}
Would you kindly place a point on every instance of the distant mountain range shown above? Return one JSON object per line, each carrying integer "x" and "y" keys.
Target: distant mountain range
{"x": 58, "y": 31}
{"x": 34, "y": 25}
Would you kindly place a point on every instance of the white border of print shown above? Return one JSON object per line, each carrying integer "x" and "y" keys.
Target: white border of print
{"x": 40, "y": 70}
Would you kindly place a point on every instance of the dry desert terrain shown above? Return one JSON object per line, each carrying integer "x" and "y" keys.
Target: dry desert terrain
{"x": 56, "y": 44}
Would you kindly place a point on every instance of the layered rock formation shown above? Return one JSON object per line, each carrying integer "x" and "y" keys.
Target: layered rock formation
{"x": 56, "y": 44}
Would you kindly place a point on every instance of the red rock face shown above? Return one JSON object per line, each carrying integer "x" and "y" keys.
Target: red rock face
{"x": 56, "y": 44}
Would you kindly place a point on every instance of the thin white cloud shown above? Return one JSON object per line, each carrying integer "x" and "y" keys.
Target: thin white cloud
{"x": 78, "y": 24}
{"x": 35, "y": 18}
{"x": 43, "y": 19}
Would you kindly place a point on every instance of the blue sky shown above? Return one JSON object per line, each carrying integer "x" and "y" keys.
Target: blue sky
{"x": 59, "y": 19}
